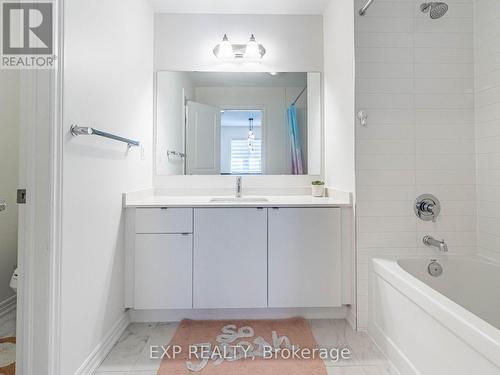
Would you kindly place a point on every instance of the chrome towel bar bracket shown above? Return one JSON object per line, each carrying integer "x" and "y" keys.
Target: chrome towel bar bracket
{"x": 83, "y": 130}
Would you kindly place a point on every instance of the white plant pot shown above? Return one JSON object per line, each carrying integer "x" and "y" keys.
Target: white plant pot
{"x": 318, "y": 190}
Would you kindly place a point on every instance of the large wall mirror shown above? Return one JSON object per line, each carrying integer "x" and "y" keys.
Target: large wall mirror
{"x": 211, "y": 123}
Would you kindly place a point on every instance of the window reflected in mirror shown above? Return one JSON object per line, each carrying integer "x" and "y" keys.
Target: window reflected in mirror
{"x": 241, "y": 142}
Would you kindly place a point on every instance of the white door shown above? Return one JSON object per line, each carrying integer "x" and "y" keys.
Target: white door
{"x": 203, "y": 139}
{"x": 163, "y": 271}
{"x": 304, "y": 257}
{"x": 230, "y": 258}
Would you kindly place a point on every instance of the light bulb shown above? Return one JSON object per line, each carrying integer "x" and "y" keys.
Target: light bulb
{"x": 252, "y": 51}
{"x": 225, "y": 49}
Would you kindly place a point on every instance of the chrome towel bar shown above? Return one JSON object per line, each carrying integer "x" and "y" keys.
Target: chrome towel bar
{"x": 81, "y": 130}
{"x": 174, "y": 154}
{"x": 363, "y": 10}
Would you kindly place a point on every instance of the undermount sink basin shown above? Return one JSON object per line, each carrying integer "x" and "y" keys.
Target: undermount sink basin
{"x": 234, "y": 199}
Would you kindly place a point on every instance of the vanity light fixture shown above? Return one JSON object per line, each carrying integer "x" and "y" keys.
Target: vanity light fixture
{"x": 224, "y": 49}
{"x": 250, "y": 51}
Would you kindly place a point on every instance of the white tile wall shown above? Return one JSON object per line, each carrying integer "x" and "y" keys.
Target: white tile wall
{"x": 415, "y": 79}
{"x": 487, "y": 110}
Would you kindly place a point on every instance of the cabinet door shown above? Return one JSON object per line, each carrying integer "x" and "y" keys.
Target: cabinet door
{"x": 304, "y": 257}
{"x": 163, "y": 271}
{"x": 230, "y": 258}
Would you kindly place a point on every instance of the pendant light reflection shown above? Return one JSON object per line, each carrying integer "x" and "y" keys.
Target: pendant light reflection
{"x": 251, "y": 134}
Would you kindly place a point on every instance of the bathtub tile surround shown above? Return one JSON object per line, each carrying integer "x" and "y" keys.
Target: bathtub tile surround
{"x": 415, "y": 80}
{"x": 131, "y": 354}
{"x": 487, "y": 106}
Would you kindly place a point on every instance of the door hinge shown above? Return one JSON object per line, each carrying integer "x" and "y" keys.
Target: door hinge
{"x": 21, "y": 196}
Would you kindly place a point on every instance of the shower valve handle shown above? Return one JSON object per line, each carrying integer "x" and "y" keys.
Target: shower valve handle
{"x": 427, "y": 207}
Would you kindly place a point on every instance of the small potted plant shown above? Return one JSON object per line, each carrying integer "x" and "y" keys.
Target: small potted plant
{"x": 318, "y": 188}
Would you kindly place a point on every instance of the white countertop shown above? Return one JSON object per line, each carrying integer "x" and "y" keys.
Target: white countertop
{"x": 339, "y": 199}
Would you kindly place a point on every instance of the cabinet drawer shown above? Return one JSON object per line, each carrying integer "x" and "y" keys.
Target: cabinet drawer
{"x": 158, "y": 220}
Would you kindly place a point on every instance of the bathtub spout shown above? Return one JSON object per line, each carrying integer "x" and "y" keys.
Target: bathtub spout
{"x": 432, "y": 242}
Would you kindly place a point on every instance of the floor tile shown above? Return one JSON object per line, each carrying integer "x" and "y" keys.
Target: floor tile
{"x": 386, "y": 369}
{"x": 328, "y": 336}
{"x": 345, "y": 370}
{"x": 131, "y": 354}
{"x": 8, "y": 324}
{"x": 161, "y": 335}
{"x": 127, "y": 350}
{"x": 364, "y": 349}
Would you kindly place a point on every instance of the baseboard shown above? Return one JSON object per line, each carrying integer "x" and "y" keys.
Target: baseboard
{"x": 146, "y": 316}
{"x": 104, "y": 347}
{"x": 8, "y": 305}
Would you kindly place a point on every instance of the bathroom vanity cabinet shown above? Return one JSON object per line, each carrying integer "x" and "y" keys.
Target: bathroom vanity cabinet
{"x": 238, "y": 257}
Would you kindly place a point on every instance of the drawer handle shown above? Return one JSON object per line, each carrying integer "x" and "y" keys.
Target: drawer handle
{"x": 163, "y": 208}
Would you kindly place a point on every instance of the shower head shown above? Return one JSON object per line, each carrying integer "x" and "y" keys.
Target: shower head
{"x": 436, "y": 10}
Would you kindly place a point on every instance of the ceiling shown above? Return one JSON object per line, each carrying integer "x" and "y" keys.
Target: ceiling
{"x": 240, "y": 6}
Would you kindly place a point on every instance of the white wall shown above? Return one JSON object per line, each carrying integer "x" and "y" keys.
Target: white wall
{"x": 338, "y": 134}
{"x": 414, "y": 77}
{"x": 112, "y": 92}
{"x": 172, "y": 89}
{"x": 487, "y": 108}
{"x": 9, "y": 169}
{"x": 339, "y": 95}
{"x": 185, "y": 42}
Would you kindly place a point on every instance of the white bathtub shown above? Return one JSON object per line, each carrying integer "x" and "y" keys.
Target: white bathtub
{"x": 446, "y": 325}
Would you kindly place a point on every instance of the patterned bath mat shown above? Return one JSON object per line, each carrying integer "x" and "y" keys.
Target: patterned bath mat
{"x": 8, "y": 356}
{"x": 244, "y": 347}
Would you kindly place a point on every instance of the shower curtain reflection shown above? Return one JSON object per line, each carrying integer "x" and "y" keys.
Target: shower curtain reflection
{"x": 297, "y": 163}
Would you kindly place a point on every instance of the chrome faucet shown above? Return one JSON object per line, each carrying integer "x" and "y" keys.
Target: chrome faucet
{"x": 238, "y": 187}
{"x": 432, "y": 242}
